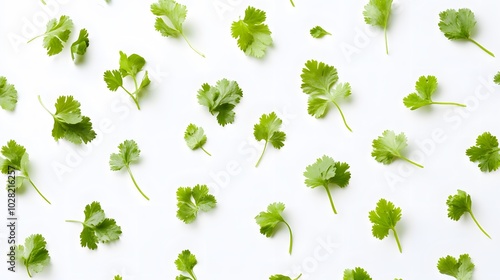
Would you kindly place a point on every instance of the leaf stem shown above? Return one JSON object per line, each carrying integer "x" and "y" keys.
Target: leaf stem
{"x": 38, "y": 191}
{"x": 291, "y": 1}
{"x": 298, "y": 277}
{"x": 135, "y": 183}
{"x": 205, "y": 151}
{"x": 261, "y": 155}
{"x": 291, "y": 237}
{"x": 41, "y": 103}
{"x": 386, "y": 45}
{"x": 483, "y": 48}
{"x": 132, "y": 96}
{"x": 342, "y": 114}
{"x": 187, "y": 41}
{"x": 36, "y": 37}
{"x": 330, "y": 198}
{"x": 412, "y": 162}
{"x": 397, "y": 239}
{"x": 191, "y": 273}
{"x": 477, "y": 223}
{"x": 73, "y": 221}
{"x": 28, "y": 270}
{"x": 448, "y": 103}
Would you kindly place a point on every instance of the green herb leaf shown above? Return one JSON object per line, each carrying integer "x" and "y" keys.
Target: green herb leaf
{"x": 186, "y": 262}
{"x": 56, "y": 35}
{"x": 486, "y": 152}
{"x": 378, "y": 13}
{"x": 283, "y": 277}
{"x": 357, "y": 273}
{"x": 269, "y": 220}
{"x": 384, "y": 218}
{"x": 318, "y": 32}
{"x": 195, "y": 138}
{"x": 253, "y": 36}
{"x": 461, "y": 269}
{"x": 79, "y": 47}
{"x": 8, "y": 95}
{"x": 496, "y": 79}
{"x": 33, "y": 255}
{"x": 425, "y": 86}
{"x": 460, "y": 204}
{"x": 191, "y": 200}
{"x": 388, "y": 147}
{"x": 268, "y": 129}
{"x": 221, "y": 99}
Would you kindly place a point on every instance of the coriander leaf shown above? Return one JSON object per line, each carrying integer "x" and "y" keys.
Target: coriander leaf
{"x": 283, "y": 277}
{"x": 496, "y": 79}
{"x": 460, "y": 204}
{"x": 253, "y": 36}
{"x": 69, "y": 124}
{"x": 129, "y": 66}
{"x": 33, "y": 255}
{"x": 269, "y": 220}
{"x": 221, "y": 99}
{"x": 384, "y": 218}
{"x": 461, "y": 269}
{"x": 325, "y": 172}
{"x": 268, "y": 129}
{"x": 176, "y": 15}
{"x": 377, "y": 13}
{"x": 318, "y": 81}
{"x": 388, "y": 147}
{"x": 357, "y": 273}
{"x": 459, "y": 25}
{"x": 56, "y": 34}
{"x": 191, "y": 200}
{"x": 17, "y": 158}
{"x": 96, "y": 227}
{"x": 8, "y": 95}
{"x": 486, "y": 152}
{"x": 185, "y": 262}
{"x": 195, "y": 138}
{"x": 118, "y": 277}
{"x": 425, "y": 86}
{"x": 318, "y": 32}
{"x": 80, "y": 46}
{"x": 129, "y": 153}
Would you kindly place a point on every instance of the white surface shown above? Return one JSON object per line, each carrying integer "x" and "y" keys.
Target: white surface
{"x": 226, "y": 241}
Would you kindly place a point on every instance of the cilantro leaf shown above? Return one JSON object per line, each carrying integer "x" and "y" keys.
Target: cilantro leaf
{"x": 221, "y": 99}
{"x": 186, "y": 262}
{"x": 425, "y": 87}
{"x": 318, "y": 32}
{"x": 253, "y": 36}
{"x": 34, "y": 254}
{"x": 377, "y": 13}
{"x": 129, "y": 153}
{"x": 96, "y": 227}
{"x": 56, "y": 34}
{"x": 318, "y": 81}
{"x": 357, "y": 273}
{"x": 195, "y": 138}
{"x": 384, "y": 218}
{"x": 191, "y": 200}
{"x": 283, "y": 277}
{"x": 268, "y": 129}
{"x": 129, "y": 66}
{"x": 460, "y": 204}
{"x": 8, "y": 95}
{"x": 496, "y": 79}
{"x": 325, "y": 172}
{"x": 388, "y": 147}
{"x": 461, "y": 269}
{"x": 79, "y": 47}
{"x": 176, "y": 15}
{"x": 486, "y": 152}
{"x": 459, "y": 25}
{"x": 17, "y": 158}
{"x": 118, "y": 277}
{"x": 269, "y": 220}
{"x": 69, "y": 123}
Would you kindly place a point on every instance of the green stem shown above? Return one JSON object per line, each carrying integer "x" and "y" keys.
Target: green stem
{"x": 386, "y": 45}
{"x": 477, "y": 223}
{"x": 483, "y": 48}
{"x": 187, "y": 41}
{"x": 135, "y": 183}
{"x": 28, "y": 270}
{"x": 205, "y": 151}
{"x": 412, "y": 162}
{"x": 36, "y": 37}
{"x": 291, "y": 1}
{"x": 132, "y": 96}
{"x": 191, "y": 273}
{"x": 342, "y": 114}
{"x": 291, "y": 237}
{"x": 38, "y": 191}
{"x": 298, "y": 277}
{"x": 261, "y": 155}
{"x": 331, "y": 200}
{"x": 448, "y": 103}
{"x": 73, "y": 221}
{"x": 397, "y": 240}
{"x": 135, "y": 83}
{"x": 40, "y": 100}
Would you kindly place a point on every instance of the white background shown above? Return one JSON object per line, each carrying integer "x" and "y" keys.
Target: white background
{"x": 226, "y": 241}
